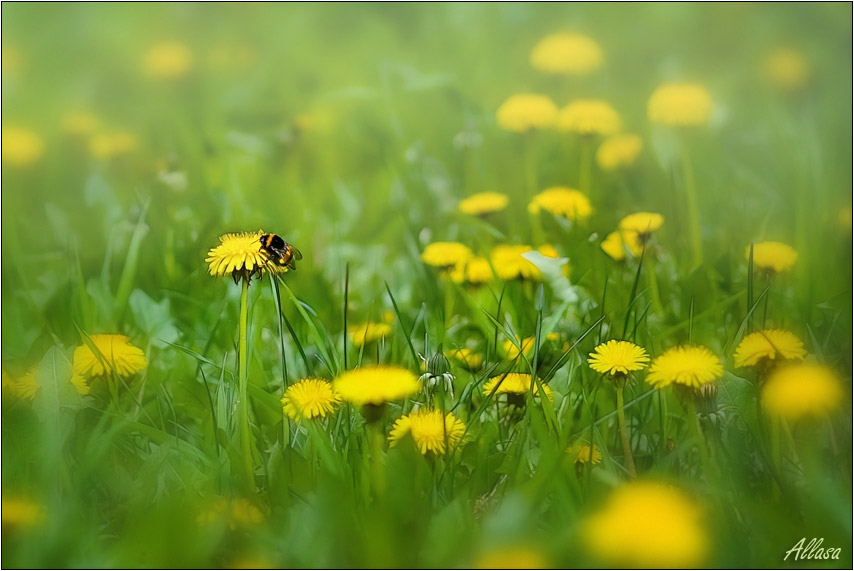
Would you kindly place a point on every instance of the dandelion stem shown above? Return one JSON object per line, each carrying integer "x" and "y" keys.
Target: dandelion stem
{"x": 700, "y": 439}
{"x": 586, "y": 164}
{"x": 693, "y": 208}
{"x": 624, "y": 431}
{"x": 653, "y": 286}
{"x": 243, "y": 384}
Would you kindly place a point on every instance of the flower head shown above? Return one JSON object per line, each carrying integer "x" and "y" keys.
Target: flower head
{"x": 483, "y": 203}
{"x": 647, "y": 525}
{"x": 110, "y": 145}
{"x": 772, "y": 256}
{"x": 566, "y": 54}
{"x": 241, "y": 256}
{"x": 618, "y": 358}
{"x": 446, "y": 254}
{"x": 20, "y": 512}
{"x": 81, "y": 384}
{"x": 798, "y": 391}
{"x": 24, "y": 387}
{"x": 115, "y": 353}
{"x": 769, "y": 344}
{"x": 237, "y": 512}
{"x": 680, "y": 104}
{"x": 21, "y": 147}
{"x": 168, "y": 60}
{"x": 79, "y": 123}
{"x": 376, "y": 384}
{"x": 469, "y": 359}
{"x": 616, "y": 243}
{"x": 367, "y": 332}
{"x": 475, "y": 271}
{"x": 692, "y": 366}
{"x": 642, "y": 223}
{"x": 526, "y": 112}
{"x": 512, "y": 349}
{"x": 514, "y": 384}
{"x": 310, "y": 398}
{"x": 584, "y": 453}
{"x": 618, "y": 151}
{"x": 589, "y": 117}
{"x": 428, "y": 430}
{"x": 562, "y": 201}
{"x": 509, "y": 263}
{"x": 786, "y": 68}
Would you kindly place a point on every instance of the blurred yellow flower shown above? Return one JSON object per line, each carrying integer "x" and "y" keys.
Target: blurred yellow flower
{"x": 23, "y": 387}
{"x": 116, "y": 352}
{"x": 21, "y": 147}
{"x": 79, "y": 123}
{"x": 475, "y": 271}
{"x": 786, "y": 68}
{"x": 562, "y": 201}
{"x": 80, "y": 384}
{"x": 772, "y": 256}
{"x": 618, "y": 358}
{"x": 365, "y": 333}
{"x": 509, "y": 263}
{"x": 550, "y": 251}
{"x": 588, "y": 117}
{"x": 513, "y": 557}
{"x": 512, "y": 349}
{"x": 20, "y": 513}
{"x": 642, "y": 223}
{"x": 470, "y": 360}
{"x": 769, "y": 344}
{"x": 514, "y": 384}
{"x": 238, "y": 512}
{"x": 583, "y": 454}
{"x": 168, "y": 60}
{"x": 618, "y": 151}
{"x": 376, "y": 384}
{"x": 648, "y": 525}
{"x": 526, "y": 112}
{"x": 309, "y": 398}
{"x": 566, "y": 54}
{"x": 483, "y": 203}
{"x": 692, "y": 366}
{"x": 798, "y": 391}
{"x": 616, "y": 243}
{"x": 11, "y": 59}
{"x": 680, "y": 104}
{"x": 428, "y": 431}
{"x": 446, "y": 254}
{"x": 110, "y": 145}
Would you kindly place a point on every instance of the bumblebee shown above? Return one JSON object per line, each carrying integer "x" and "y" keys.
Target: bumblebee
{"x": 279, "y": 252}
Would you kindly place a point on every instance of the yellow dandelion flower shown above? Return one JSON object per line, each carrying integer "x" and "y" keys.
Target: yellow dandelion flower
{"x": 241, "y": 255}
{"x": 376, "y": 384}
{"x": 562, "y": 201}
{"x": 786, "y": 68}
{"x": 309, "y": 398}
{"x": 368, "y": 332}
{"x": 428, "y": 431}
{"x": 588, "y": 117}
{"x": 446, "y": 254}
{"x": 566, "y": 54}
{"x": 483, "y": 203}
{"x": 616, "y": 243}
{"x": 618, "y": 358}
{"x": 648, "y": 525}
{"x": 692, "y": 366}
{"x": 797, "y": 391}
{"x": 167, "y": 60}
{"x": 618, "y": 151}
{"x": 512, "y": 349}
{"x": 642, "y": 223}
{"x": 514, "y": 384}
{"x": 20, "y": 513}
{"x": 550, "y": 251}
{"x": 26, "y": 386}
{"x": 526, "y": 112}
{"x": 106, "y": 146}
{"x": 116, "y": 352}
{"x": 772, "y": 256}
{"x": 20, "y": 147}
{"x": 513, "y": 557}
{"x": 470, "y": 359}
{"x": 584, "y": 453}
{"x": 79, "y": 123}
{"x": 680, "y": 104}
{"x": 476, "y": 271}
{"x": 237, "y": 512}
{"x": 769, "y": 344}
{"x": 509, "y": 263}
{"x": 80, "y": 384}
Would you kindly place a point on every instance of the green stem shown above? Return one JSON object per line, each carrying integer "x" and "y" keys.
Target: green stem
{"x": 700, "y": 440}
{"x": 586, "y": 164}
{"x": 243, "y": 383}
{"x": 530, "y": 163}
{"x": 693, "y": 208}
{"x": 624, "y": 431}
{"x": 653, "y": 285}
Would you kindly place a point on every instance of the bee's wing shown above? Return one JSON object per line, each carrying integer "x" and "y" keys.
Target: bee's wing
{"x": 297, "y": 254}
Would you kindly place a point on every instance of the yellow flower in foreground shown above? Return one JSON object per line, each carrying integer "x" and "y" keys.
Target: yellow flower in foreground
{"x": 798, "y": 391}
{"x": 238, "y": 512}
{"x": 509, "y": 263}
{"x": 376, "y": 384}
{"x": 642, "y": 223}
{"x": 79, "y": 123}
{"x": 692, "y": 366}
{"x": 769, "y": 344}
{"x": 428, "y": 431}
{"x": 446, "y": 254}
{"x": 562, "y": 201}
{"x": 475, "y": 271}
{"x": 566, "y": 54}
{"x": 772, "y": 256}
{"x": 109, "y": 145}
{"x": 680, "y": 104}
{"x": 116, "y": 352}
{"x": 526, "y": 112}
{"x": 589, "y": 117}
{"x": 168, "y": 60}
{"x": 514, "y": 384}
{"x": 470, "y": 360}
{"x": 21, "y": 147}
{"x": 513, "y": 557}
{"x": 786, "y": 68}
{"x": 616, "y": 243}
{"x": 367, "y": 332}
{"x": 241, "y": 256}
{"x": 618, "y": 151}
{"x": 583, "y": 453}
{"x": 618, "y": 358}
{"x": 483, "y": 203}
{"x": 648, "y": 525}
{"x": 309, "y": 398}
{"x": 20, "y": 513}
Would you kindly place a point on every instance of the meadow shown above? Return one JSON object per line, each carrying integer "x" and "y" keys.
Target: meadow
{"x": 426, "y": 285}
